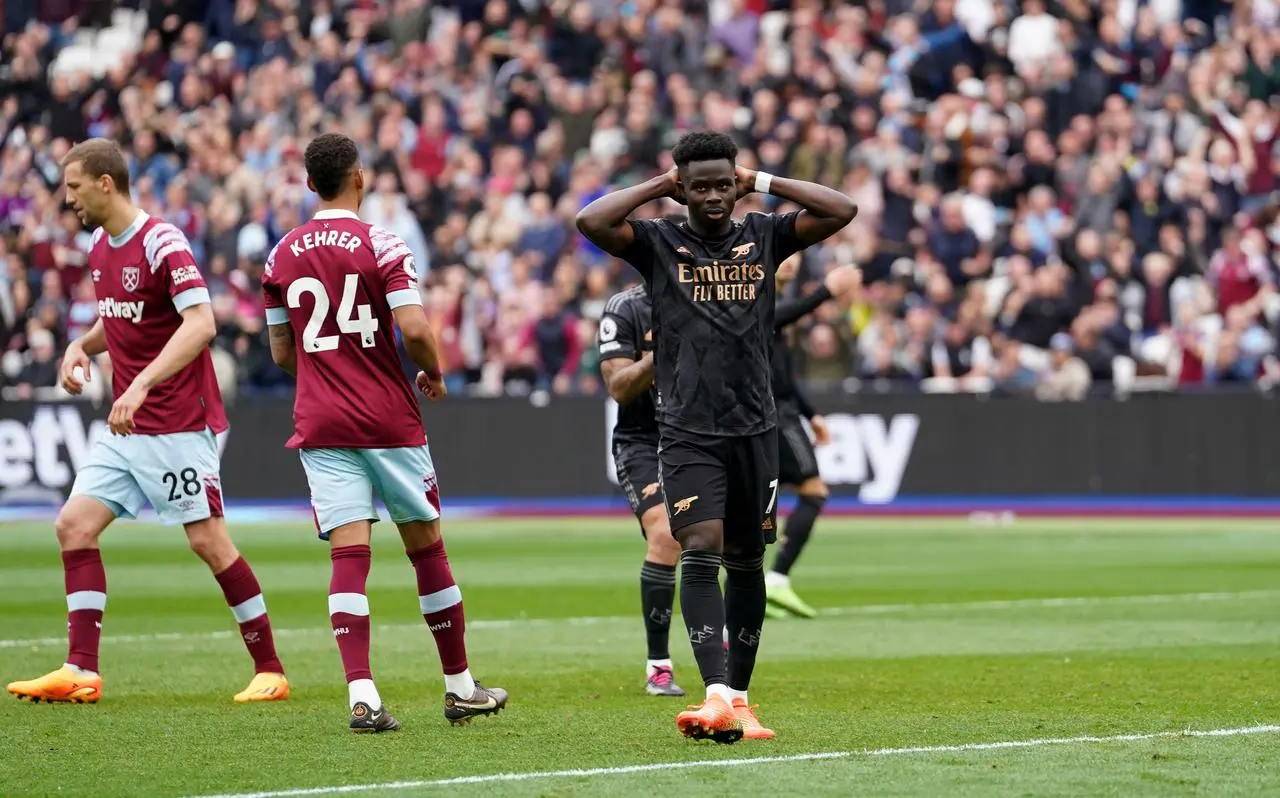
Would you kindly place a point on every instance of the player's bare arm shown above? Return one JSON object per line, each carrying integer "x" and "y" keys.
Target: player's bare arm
{"x": 192, "y": 337}
{"x": 284, "y": 350}
{"x": 604, "y": 222}
{"x": 420, "y": 344}
{"x": 627, "y": 380}
{"x": 826, "y": 211}
{"x": 93, "y": 342}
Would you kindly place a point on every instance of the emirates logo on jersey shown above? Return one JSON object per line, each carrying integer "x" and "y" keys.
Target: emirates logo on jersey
{"x": 130, "y": 276}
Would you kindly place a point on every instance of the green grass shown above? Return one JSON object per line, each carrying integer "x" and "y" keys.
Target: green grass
{"x": 938, "y": 634}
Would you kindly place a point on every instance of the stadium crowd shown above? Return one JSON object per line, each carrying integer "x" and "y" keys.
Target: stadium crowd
{"x": 1052, "y": 193}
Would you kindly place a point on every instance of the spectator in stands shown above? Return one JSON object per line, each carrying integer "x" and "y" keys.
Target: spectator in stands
{"x": 1024, "y": 170}
{"x": 1067, "y": 377}
{"x": 41, "y": 367}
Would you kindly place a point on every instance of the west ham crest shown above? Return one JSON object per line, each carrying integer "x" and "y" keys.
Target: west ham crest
{"x": 129, "y": 278}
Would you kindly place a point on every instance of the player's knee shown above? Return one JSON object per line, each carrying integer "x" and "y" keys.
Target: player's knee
{"x": 704, "y": 535}
{"x": 662, "y": 546}
{"x": 75, "y": 531}
{"x": 419, "y": 534}
{"x": 211, "y": 543}
{"x": 744, "y": 568}
{"x": 815, "y": 489}
{"x": 744, "y": 558}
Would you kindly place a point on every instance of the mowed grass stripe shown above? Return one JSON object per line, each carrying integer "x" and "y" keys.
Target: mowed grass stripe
{"x": 1065, "y": 602}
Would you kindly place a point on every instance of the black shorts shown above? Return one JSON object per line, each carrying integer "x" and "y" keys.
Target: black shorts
{"x": 796, "y": 459}
{"x": 734, "y": 479}
{"x": 636, "y": 463}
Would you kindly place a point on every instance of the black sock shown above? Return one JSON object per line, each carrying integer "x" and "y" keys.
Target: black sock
{"x": 796, "y": 534}
{"x": 703, "y": 609}
{"x": 744, "y": 604}
{"x": 657, "y": 594}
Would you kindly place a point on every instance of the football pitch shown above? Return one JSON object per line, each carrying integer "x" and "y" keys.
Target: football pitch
{"x": 1065, "y": 657}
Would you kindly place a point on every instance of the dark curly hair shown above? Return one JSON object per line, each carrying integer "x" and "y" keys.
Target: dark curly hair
{"x": 704, "y": 146}
{"x": 329, "y": 159}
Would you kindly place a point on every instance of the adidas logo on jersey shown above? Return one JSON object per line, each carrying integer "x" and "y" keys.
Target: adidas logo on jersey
{"x": 115, "y": 309}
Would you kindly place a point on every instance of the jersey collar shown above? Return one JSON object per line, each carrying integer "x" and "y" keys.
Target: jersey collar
{"x": 130, "y": 231}
{"x": 335, "y": 213}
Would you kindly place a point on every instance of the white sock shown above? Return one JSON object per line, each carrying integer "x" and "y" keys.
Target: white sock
{"x": 363, "y": 690}
{"x": 721, "y": 690}
{"x": 738, "y": 694}
{"x": 460, "y": 684}
{"x": 653, "y": 664}
{"x": 78, "y": 671}
{"x": 775, "y": 579}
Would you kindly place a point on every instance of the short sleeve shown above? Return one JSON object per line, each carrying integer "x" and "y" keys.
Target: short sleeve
{"x": 169, "y": 253}
{"x": 618, "y": 336}
{"x": 785, "y": 241}
{"x": 640, "y": 252}
{"x": 272, "y": 299}
{"x": 396, "y": 268}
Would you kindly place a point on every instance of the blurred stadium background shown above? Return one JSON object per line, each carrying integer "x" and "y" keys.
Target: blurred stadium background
{"x": 1059, "y": 201}
{"x": 1069, "y": 240}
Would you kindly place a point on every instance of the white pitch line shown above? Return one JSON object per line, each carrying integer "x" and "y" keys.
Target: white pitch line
{"x": 763, "y": 760}
{"x": 593, "y": 620}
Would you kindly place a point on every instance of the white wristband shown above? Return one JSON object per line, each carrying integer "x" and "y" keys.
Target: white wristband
{"x": 763, "y": 181}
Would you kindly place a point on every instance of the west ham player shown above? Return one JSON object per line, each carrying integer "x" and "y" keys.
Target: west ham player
{"x": 797, "y": 462}
{"x": 626, "y": 363}
{"x": 342, "y": 286}
{"x": 156, "y": 323}
{"x": 711, "y": 280}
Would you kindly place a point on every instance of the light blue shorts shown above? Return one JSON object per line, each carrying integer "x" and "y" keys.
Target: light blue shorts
{"x": 344, "y": 482}
{"x": 177, "y": 474}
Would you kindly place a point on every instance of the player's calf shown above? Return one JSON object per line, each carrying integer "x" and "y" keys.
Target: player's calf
{"x": 744, "y": 599}
{"x": 210, "y": 541}
{"x": 243, "y": 594}
{"x": 86, "y": 584}
{"x": 657, "y": 597}
{"x": 799, "y": 528}
{"x": 79, "y": 525}
{"x": 349, "y": 615}
{"x": 440, "y": 602}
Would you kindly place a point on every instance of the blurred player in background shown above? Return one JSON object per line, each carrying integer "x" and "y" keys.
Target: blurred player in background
{"x": 797, "y": 462}
{"x": 155, "y": 321}
{"x": 343, "y": 287}
{"x": 625, "y": 341}
{"x": 711, "y": 281}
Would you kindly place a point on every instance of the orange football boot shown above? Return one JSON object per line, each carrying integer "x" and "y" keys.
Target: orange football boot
{"x": 714, "y": 720}
{"x": 752, "y": 728}
{"x": 265, "y": 687}
{"x": 63, "y": 685}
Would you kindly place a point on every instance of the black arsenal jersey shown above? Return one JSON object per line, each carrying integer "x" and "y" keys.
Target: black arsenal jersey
{"x": 786, "y": 389}
{"x": 625, "y": 333}
{"x": 713, "y": 316}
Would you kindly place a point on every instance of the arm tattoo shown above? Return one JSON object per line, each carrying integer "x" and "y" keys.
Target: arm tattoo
{"x": 281, "y": 335}
{"x": 282, "y": 346}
